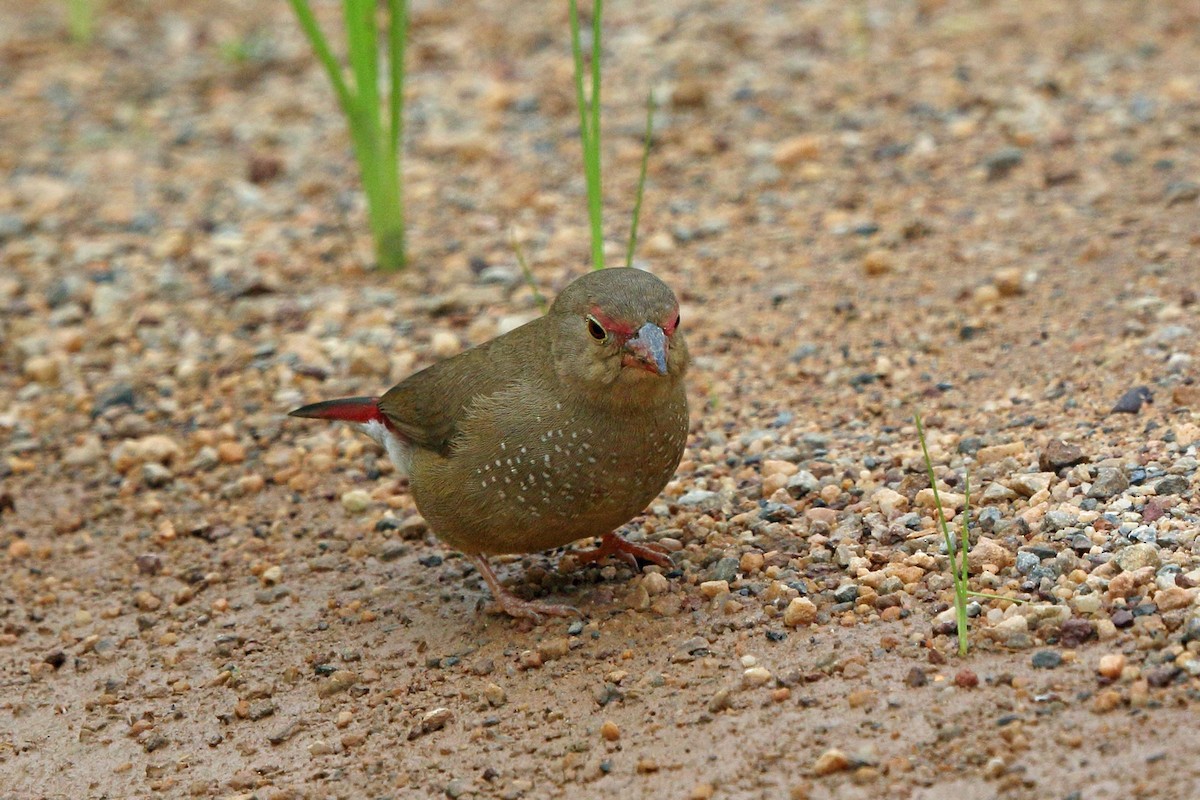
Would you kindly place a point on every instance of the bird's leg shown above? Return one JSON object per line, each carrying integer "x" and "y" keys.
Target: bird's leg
{"x": 514, "y": 606}
{"x": 613, "y": 545}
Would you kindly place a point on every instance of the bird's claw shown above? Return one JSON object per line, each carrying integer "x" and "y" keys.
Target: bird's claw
{"x": 613, "y": 545}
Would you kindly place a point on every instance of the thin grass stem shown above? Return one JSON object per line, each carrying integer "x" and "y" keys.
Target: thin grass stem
{"x": 589, "y": 126}
{"x": 641, "y": 186}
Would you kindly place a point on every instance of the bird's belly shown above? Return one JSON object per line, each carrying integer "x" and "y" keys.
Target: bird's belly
{"x": 560, "y": 485}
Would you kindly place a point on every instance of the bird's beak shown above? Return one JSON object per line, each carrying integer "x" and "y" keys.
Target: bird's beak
{"x": 648, "y": 349}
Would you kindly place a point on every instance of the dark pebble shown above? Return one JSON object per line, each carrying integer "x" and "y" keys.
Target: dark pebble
{"x": 1161, "y": 676}
{"x": 1002, "y": 162}
{"x": 916, "y": 678}
{"x": 1122, "y": 618}
{"x": 1047, "y": 659}
{"x": 1058, "y": 455}
{"x": 1171, "y": 485}
{"x": 1076, "y": 631}
{"x": 1131, "y": 402}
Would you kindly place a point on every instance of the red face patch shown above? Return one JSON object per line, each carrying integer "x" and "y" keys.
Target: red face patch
{"x": 624, "y": 330}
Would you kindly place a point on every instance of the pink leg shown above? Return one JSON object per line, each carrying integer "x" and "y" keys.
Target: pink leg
{"x": 613, "y": 545}
{"x": 514, "y": 606}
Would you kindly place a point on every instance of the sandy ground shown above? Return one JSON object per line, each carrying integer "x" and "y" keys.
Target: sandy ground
{"x": 985, "y": 212}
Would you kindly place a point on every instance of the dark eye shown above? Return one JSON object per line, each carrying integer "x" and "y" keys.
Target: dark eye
{"x": 678, "y": 317}
{"x": 596, "y": 330}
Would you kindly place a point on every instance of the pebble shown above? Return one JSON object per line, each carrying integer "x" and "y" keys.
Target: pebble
{"x": 444, "y": 344}
{"x": 1132, "y": 401}
{"x": 756, "y": 676}
{"x": 1047, "y": 659}
{"x": 231, "y": 453}
{"x": 714, "y": 588}
{"x": 1059, "y": 455}
{"x": 356, "y": 501}
{"x": 800, "y": 611}
{"x": 988, "y": 551}
{"x": 831, "y": 761}
{"x": 1111, "y": 665}
{"x": 1137, "y": 556}
{"x": 1109, "y": 481}
{"x": 494, "y": 695}
{"x": 655, "y": 584}
{"x": 609, "y": 731}
{"x": 432, "y": 721}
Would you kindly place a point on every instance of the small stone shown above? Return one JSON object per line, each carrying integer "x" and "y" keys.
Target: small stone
{"x": 916, "y": 678}
{"x": 756, "y": 676}
{"x": 145, "y": 601}
{"x": 988, "y": 551}
{"x": 1076, "y": 631}
{"x": 231, "y": 453}
{"x": 1109, "y": 481}
{"x": 831, "y": 761}
{"x": 1047, "y": 659}
{"x": 999, "y": 452}
{"x": 1027, "y": 484}
{"x": 1171, "y": 485}
{"x": 655, "y": 583}
{"x": 796, "y": 150}
{"x": 271, "y": 575}
{"x": 878, "y": 262}
{"x": 610, "y": 731}
{"x": 966, "y": 679}
{"x": 1131, "y": 402}
{"x": 149, "y": 563}
{"x": 701, "y": 500}
{"x": 41, "y": 369}
{"x": 494, "y": 695}
{"x": 1111, "y": 665}
{"x": 156, "y": 476}
{"x": 1174, "y": 598}
{"x": 1137, "y": 556}
{"x": 338, "y": 682}
{"x": 1002, "y": 162}
{"x": 1106, "y": 701}
{"x": 444, "y": 344}
{"x": 433, "y": 720}
{"x": 714, "y": 588}
{"x": 1059, "y": 455}
{"x": 1009, "y": 281}
{"x": 356, "y": 501}
{"x": 552, "y": 649}
{"x": 890, "y": 502}
{"x": 800, "y": 611}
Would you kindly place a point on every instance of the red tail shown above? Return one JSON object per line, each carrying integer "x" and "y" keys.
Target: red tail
{"x": 344, "y": 409}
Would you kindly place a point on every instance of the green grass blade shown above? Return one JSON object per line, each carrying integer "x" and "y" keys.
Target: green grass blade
{"x": 641, "y": 186}
{"x": 538, "y": 297}
{"x": 80, "y": 20}
{"x": 589, "y": 127}
{"x": 308, "y": 23}
{"x": 364, "y": 55}
{"x": 965, "y": 535}
{"x": 397, "y": 50}
{"x": 960, "y": 585}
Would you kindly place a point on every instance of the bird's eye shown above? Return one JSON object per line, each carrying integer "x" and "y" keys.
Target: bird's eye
{"x": 595, "y": 329}
{"x": 678, "y": 317}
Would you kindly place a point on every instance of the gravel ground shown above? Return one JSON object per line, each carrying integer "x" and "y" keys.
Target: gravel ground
{"x": 985, "y": 212}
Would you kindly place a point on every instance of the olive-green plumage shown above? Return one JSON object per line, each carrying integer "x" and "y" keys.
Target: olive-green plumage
{"x": 564, "y": 428}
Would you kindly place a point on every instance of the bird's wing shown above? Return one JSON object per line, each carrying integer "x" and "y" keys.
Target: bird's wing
{"x": 428, "y": 407}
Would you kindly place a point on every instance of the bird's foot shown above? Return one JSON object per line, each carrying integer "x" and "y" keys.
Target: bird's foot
{"x": 510, "y": 604}
{"x": 613, "y": 545}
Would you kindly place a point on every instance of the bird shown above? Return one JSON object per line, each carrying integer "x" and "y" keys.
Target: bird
{"x": 561, "y": 429}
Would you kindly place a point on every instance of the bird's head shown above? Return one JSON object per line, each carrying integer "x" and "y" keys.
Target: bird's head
{"x": 617, "y": 330}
